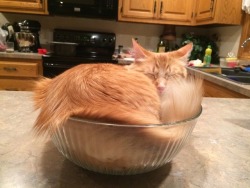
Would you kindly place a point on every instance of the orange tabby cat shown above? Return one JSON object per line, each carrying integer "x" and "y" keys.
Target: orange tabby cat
{"x": 105, "y": 92}
{"x": 113, "y": 93}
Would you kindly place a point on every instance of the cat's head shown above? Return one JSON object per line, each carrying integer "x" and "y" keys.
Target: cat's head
{"x": 161, "y": 67}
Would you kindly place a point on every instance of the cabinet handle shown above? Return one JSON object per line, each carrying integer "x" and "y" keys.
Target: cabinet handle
{"x": 161, "y": 7}
{"x": 193, "y": 15}
{"x": 155, "y": 7}
{"x": 10, "y": 69}
{"x": 211, "y": 5}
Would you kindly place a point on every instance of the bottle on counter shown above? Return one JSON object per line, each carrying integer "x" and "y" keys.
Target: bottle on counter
{"x": 207, "y": 57}
{"x": 161, "y": 47}
{"x": 120, "y": 47}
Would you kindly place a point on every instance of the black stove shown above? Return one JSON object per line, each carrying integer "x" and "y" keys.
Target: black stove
{"x": 92, "y": 47}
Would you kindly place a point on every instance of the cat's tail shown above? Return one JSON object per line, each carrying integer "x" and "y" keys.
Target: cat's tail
{"x": 50, "y": 97}
{"x": 126, "y": 115}
{"x": 58, "y": 99}
{"x": 40, "y": 92}
{"x": 44, "y": 100}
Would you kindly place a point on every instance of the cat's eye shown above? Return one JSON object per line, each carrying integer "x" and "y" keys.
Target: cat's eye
{"x": 150, "y": 75}
{"x": 167, "y": 75}
{"x": 170, "y": 75}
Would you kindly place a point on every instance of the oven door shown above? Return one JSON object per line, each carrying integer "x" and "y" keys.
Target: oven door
{"x": 51, "y": 70}
{"x": 53, "y": 66}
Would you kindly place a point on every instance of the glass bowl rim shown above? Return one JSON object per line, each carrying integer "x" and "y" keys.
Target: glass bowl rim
{"x": 170, "y": 124}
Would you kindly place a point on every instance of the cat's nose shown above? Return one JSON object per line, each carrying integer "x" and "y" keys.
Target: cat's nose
{"x": 161, "y": 89}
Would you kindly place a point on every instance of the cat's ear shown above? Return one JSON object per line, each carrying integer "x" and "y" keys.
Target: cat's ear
{"x": 185, "y": 51}
{"x": 139, "y": 51}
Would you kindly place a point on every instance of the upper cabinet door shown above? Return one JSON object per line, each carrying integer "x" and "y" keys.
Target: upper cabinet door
{"x": 24, "y": 6}
{"x": 204, "y": 10}
{"x": 177, "y": 10}
{"x": 181, "y": 12}
{"x": 218, "y": 12}
{"x": 139, "y": 8}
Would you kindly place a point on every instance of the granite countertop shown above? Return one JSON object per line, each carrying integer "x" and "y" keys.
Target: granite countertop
{"x": 243, "y": 89}
{"x": 217, "y": 155}
{"x": 20, "y": 55}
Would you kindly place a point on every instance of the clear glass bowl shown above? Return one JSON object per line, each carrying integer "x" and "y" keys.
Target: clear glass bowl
{"x": 121, "y": 149}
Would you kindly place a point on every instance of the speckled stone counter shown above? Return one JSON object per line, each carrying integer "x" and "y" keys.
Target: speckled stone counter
{"x": 217, "y": 155}
{"x": 20, "y": 55}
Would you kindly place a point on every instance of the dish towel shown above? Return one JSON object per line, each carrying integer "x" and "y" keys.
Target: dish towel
{"x": 246, "y": 6}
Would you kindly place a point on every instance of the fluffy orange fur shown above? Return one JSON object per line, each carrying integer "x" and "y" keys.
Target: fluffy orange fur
{"x": 161, "y": 67}
{"x": 154, "y": 89}
{"x": 104, "y": 92}
{"x": 180, "y": 94}
{"x": 182, "y": 99}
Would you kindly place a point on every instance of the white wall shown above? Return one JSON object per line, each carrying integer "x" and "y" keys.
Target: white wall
{"x": 148, "y": 34}
{"x": 229, "y": 39}
{"x": 229, "y": 36}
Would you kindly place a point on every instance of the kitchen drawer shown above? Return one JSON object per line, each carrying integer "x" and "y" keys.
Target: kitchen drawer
{"x": 19, "y": 69}
{"x": 17, "y": 84}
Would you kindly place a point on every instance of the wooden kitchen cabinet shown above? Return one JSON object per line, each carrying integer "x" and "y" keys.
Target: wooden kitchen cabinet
{"x": 217, "y": 12}
{"x": 138, "y": 9}
{"x": 19, "y": 74}
{"x": 179, "y": 12}
{"x": 24, "y": 6}
{"x": 204, "y": 10}
{"x": 176, "y": 12}
{"x": 213, "y": 90}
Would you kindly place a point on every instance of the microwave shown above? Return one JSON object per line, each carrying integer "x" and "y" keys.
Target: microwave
{"x": 99, "y": 9}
